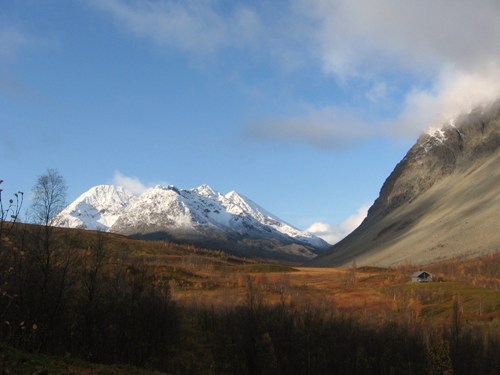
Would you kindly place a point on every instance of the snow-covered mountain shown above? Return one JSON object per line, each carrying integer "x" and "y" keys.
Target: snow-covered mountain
{"x": 199, "y": 216}
{"x": 97, "y": 209}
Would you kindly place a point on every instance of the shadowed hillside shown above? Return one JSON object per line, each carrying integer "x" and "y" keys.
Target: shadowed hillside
{"x": 440, "y": 201}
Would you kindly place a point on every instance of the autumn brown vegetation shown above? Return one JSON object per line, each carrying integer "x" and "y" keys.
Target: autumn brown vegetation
{"x": 79, "y": 301}
{"x": 180, "y": 309}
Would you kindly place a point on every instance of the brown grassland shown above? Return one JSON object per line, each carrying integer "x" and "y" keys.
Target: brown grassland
{"x": 208, "y": 287}
{"x": 214, "y": 279}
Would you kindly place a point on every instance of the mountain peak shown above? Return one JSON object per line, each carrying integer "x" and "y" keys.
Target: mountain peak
{"x": 173, "y": 188}
{"x": 234, "y": 195}
{"x": 97, "y": 208}
{"x": 440, "y": 201}
{"x": 199, "y": 216}
{"x": 206, "y": 191}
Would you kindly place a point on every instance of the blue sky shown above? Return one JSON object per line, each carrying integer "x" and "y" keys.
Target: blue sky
{"x": 304, "y": 106}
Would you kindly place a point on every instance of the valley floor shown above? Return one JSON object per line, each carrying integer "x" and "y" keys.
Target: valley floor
{"x": 186, "y": 310}
{"x": 372, "y": 294}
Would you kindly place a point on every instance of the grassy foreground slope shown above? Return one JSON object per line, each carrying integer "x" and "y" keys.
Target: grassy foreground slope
{"x": 180, "y": 309}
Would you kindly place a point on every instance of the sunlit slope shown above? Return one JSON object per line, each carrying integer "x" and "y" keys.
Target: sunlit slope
{"x": 441, "y": 201}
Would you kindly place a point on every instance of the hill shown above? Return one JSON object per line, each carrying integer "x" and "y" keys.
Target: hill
{"x": 441, "y": 200}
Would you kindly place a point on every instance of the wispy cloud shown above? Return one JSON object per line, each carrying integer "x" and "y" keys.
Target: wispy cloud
{"x": 327, "y": 127}
{"x": 14, "y": 42}
{"x": 11, "y": 42}
{"x": 444, "y": 48}
{"x": 365, "y": 37}
{"x": 201, "y": 28}
{"x": 333, "y": 233}
{"x": 195, "y": 26}
{"x": 447, "y": 46}
{"x": 377, "y": 92}
{"x": 449, "y": 50}
{"x": 132, "y": 184}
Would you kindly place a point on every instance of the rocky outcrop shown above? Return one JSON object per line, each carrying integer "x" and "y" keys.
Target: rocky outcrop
{"x": 453, "y": 148}
{"x": 460, "y": 160}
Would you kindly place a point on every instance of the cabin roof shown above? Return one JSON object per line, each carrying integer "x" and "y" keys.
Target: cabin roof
{"x": 419, "y": 273}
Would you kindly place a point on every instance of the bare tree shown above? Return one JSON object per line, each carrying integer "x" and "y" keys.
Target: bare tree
{"x": 49, "y": 197}
{"x": 10, "y": 211}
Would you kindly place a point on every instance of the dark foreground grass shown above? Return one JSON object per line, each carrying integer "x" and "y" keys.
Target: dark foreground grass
{"x": 13, "y": 361}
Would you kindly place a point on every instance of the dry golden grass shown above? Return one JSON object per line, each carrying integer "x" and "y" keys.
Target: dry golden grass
{"x": 375, "y": 295}
{"x": 206, "y": 278}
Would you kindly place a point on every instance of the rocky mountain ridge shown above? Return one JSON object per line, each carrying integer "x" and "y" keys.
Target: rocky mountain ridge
{"x": 440, "y": 201}
{"x": 200, "y": 216}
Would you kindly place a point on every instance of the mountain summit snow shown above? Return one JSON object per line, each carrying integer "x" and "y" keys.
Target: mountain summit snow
{"x": 200, "y": 216}
{"x": 98, "y": 208}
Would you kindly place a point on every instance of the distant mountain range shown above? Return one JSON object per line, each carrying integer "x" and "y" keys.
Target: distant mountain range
{"x": 198, "y": 216}
{"x": 442, "y": 200}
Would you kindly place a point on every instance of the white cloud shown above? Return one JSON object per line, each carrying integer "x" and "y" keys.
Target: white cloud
{"x": 195, "y": 26}
{"x": 363, "y": 37}
{"x": 450, "y": 47}
{"x": 203, "y": 28}
{"x": 455, "y": 91}
{"x": 132, "y": 184}
{"x": 448, "y": 50}
{"x": 333, "y": 233}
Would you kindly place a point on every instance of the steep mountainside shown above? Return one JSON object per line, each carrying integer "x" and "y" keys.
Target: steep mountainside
{"x": 97, "y": 208}
{"x": 198, "y": 216}
{"x": 442, "y": 200}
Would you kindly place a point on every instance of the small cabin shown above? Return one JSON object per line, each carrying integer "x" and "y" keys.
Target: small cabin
{"x": 421, "y": 277}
